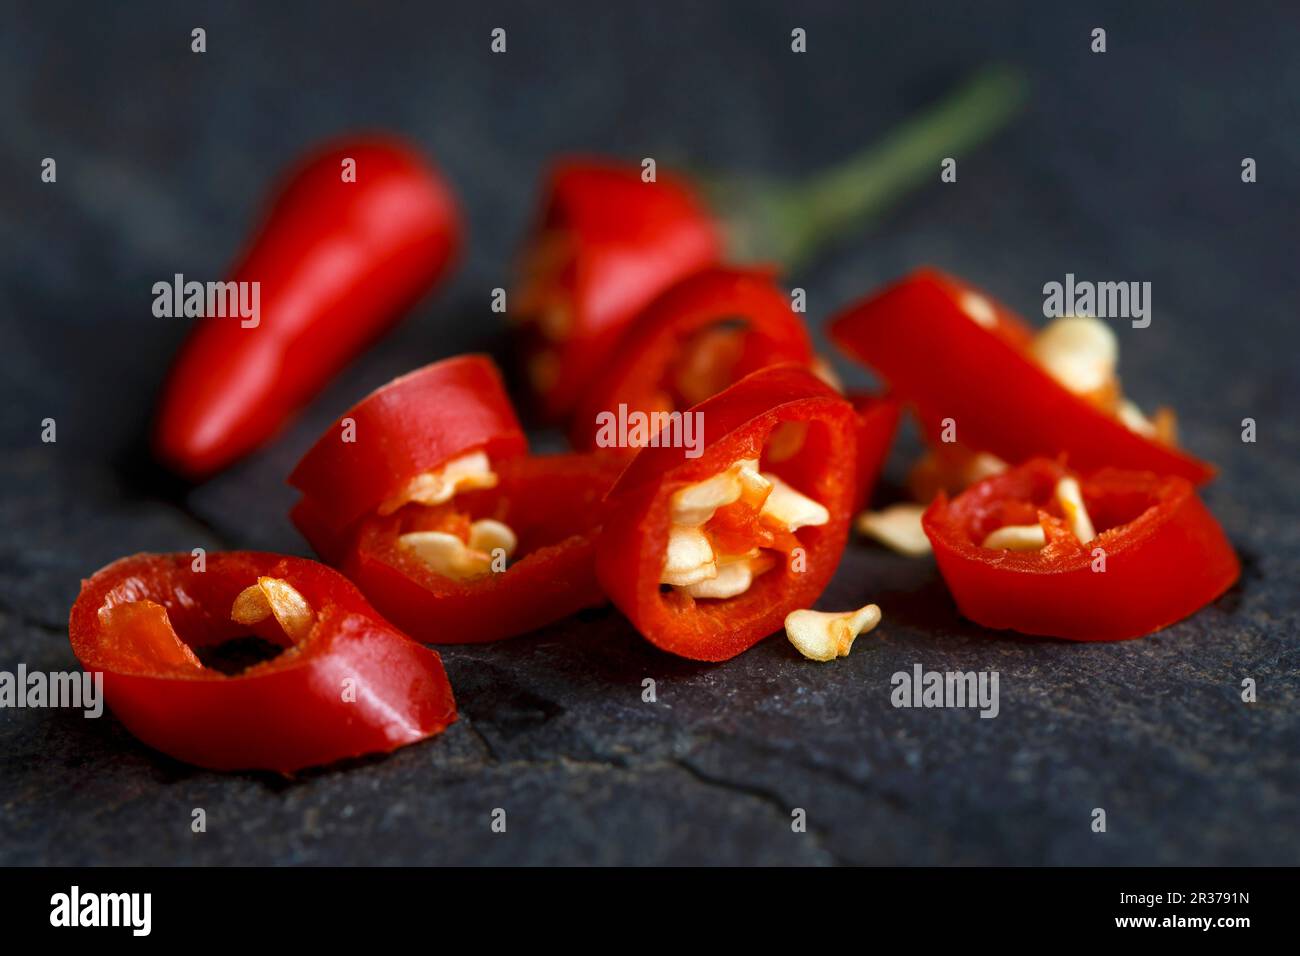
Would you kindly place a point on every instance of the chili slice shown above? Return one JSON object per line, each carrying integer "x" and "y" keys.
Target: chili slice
{"x": 952, "y": 353}
{"x": 412, "y": 425}
{"x": 738, "y": 423}
{"x": 348, "y": 683}
{"x": 1164, "y": 556}
{"x": 700, "y": 335}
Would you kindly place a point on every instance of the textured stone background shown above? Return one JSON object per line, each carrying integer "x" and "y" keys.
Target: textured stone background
{"x": 1126, "y": 166}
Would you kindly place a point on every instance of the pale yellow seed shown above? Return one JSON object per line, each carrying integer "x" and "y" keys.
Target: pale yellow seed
{"x": 791, "y": 509}
{"x": 979, "y": 308}
{"x": 736, "y": 574}
{"x": 824, "y": 636}
{"x": 446, "y": 554}
{"x": 278, "y": 598}
{"x": 436, "y": 487}
{"x": 689, "y": 558}
{"x": 1070, "y": 497}
{"x": 1079, "y": 351}
{"x": 897, "y": 527}
{"x": 695, "y": 504}
{"x": 488, "y": 535}
{"x": 1016, "y": 537}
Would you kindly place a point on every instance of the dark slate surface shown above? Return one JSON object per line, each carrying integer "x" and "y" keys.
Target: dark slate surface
{"x": 1125, "y": 167}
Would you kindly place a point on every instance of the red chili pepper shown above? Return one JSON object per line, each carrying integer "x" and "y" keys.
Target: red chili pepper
{"x": 1159, "y": 555}
{"x": 357, "y": 507}
{"x": 705, "y": 332}
{"x": 739, "y": 422}
{"x": 552, "y": 503}
{"x": 338, "y": 262}
{"x": 953, "y": 353}
{"x": 413, "y": 424}
{"x": 607, "y": 244}
{"x": 347, "y": 683}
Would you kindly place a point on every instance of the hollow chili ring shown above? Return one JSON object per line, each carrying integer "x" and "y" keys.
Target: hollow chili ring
{"x": 411, "y": 425}
{"x": 350, "y": 685}
{"x": 1159, "y": 554}
{"x": 737, "y": 423}
{"x": 634, "y": 374}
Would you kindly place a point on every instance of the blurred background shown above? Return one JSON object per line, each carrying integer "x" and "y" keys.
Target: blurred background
{"x": 1123, "y": 166}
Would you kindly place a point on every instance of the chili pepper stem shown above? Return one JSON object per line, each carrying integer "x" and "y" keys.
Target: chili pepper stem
{"x": 787, "y": 222}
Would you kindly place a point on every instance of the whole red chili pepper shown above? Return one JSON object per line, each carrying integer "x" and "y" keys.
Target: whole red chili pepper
{"x": 733, "y": 504}
{"x": 348, "y": 683}
{"x": 338, "y": 260}
{"x": 1154, "y": 553}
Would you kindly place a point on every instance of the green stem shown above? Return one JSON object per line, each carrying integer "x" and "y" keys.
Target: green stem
{"x": 786, "y": 223}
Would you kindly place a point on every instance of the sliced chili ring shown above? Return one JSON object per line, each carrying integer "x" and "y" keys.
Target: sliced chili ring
{"x": 702, "y": 334}
{"x": 348, "y": 684}
{"x": 1158, "y": 555}
{"x": 738, "y": 423}
{"x": 410, "y": 426}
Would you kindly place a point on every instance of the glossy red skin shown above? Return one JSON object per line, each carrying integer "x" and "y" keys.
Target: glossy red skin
{"x": 878, "y": 418}
{"x": 413, "y": 424}
{"x": 554, "y": 505}
{"x": 945, "y": 365}
{"x": 646, "y": 350}
{"x": 633, "y": 240}
{"x": 338, "y": 264}
{"x": 738, "y": 420}
{"x": 1166, "y": 556}
{"x": 283, "y": 714}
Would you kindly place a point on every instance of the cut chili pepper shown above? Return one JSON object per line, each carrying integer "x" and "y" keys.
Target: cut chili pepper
{"x": 645, "y": 513}
{"x": 953, "y": 353}
{"x": 1157, "y": 556}
{"x": 410, "y": 426}
{"x": 337, "y": 262}
{"x": 347, "y": 683}
{"x": 438, "y": 462}
{"x": 607, "y": 244}
{"x": 553, "y": 504}
{"x": 699, "y": 336}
